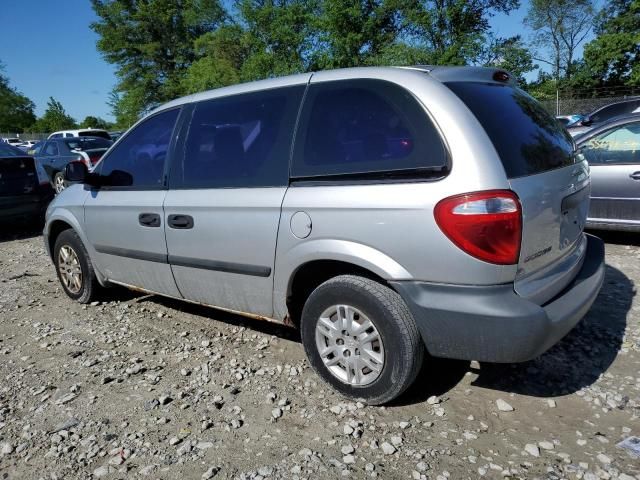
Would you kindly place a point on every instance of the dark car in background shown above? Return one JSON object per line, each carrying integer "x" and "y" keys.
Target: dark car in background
{"x": 603, "y": 115}
{"x": 613, "y": 153}
{"x": 56, "y": 153}
{"x": 25, "y": 190}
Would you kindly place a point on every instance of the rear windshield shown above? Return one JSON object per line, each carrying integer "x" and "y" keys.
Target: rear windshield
{"x": 95, "y": 133}
{"x": 527, "y": 138}
{"x": 7, "y": 150}
{"x": 83, "y": 144}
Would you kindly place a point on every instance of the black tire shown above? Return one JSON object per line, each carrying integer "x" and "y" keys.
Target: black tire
{"x": 403, "y": 347}
{"x": 89, "y": 283}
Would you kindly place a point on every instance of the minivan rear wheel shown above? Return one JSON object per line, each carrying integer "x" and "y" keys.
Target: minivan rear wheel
{"x": 361, "y": 338}
{"x": 74, "y": 268}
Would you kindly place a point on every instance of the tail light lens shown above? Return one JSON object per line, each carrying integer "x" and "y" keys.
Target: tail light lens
{"x": 486, "y": 225}
{"x": 94, "y": 159}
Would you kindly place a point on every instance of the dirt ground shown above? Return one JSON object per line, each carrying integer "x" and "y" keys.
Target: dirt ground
{"x": 143, "y": 387}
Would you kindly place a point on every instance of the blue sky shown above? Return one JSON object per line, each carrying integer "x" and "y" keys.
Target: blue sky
{"x": 48, "y": 50}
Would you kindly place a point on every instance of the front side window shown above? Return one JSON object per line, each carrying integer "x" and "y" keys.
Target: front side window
{"x": 138, "y": 160}
{"x": 239, "y": 141}
{"x": 619, "y": 146}
{"x": 363, "y": 127}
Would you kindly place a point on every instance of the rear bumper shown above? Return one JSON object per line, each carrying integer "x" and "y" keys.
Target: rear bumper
{"x": 495, "y": 324}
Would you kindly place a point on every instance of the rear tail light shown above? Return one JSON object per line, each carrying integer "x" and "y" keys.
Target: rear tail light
{"x": 94, "y": 159}
{"x": 486, "y": 225}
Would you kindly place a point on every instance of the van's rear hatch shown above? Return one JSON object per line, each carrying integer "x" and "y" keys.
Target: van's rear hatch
{"x": 539, "y": 159}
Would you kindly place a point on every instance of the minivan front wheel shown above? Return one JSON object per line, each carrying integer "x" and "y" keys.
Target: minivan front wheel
{"x": 361, "y": 338}
{"x": 74, "y": 267}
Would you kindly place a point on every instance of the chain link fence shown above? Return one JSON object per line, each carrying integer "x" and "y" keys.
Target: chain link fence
{"x": 583, "y": 102}
{"x": 25, "y": 136}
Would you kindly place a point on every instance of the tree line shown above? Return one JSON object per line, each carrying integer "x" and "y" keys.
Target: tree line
{"x": 163, "y": 49}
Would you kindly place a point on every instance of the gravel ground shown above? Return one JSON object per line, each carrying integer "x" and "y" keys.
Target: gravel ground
{"x": 140, "y": 386}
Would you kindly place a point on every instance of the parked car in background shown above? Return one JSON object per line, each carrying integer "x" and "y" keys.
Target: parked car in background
{"x": 84, "y": 132}
{"x": 36, "y": 147}
{"x": 604, "y": 114}
{"x": 384, "y": 211}
{"x": 25, "y": 189}
{"x": 115, "y": 135}
{"x": 613, "y": 153}
{"x": 12, "y": 141}
{"x": 26, "y": 145}
{"x": 569, "y": 120}
{"x": 57, "y": 152}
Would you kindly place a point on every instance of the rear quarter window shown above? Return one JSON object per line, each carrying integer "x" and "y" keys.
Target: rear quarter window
{"x": 526, "y": 137}
{"x": 363, "y": 127}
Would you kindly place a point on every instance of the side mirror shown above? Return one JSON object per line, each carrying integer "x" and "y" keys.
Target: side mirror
{"x": 76, "y": 172}
{"x": 586, "y": 121}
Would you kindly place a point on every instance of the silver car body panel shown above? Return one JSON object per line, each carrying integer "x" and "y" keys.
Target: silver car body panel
{"x": 125, "y": 250}
{"x": 615, "y": 197}
{"x": 550, "y": 233}
{"x": 227, "y": 258}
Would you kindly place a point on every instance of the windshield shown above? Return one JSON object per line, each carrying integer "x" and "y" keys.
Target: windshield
{"x": 87, "y": 143}
{"x": 7, "y": 150}
{"x": 526, "y": 137}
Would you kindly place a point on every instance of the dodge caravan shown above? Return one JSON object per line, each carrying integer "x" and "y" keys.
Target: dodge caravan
{"x": 385, "y": 212}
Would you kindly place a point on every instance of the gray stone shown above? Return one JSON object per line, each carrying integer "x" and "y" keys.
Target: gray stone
{"x": 532, "y": 450}
{"x": 103, "y": 471}
{"x": 349, "y": 459}
{"x": 503, "y": 406}
{"x": 388, "y": 449}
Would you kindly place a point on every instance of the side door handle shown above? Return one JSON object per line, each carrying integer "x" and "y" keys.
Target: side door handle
{"x": 149, "y": 219}
{"x": 180, "y": 221}
{"x": 635, "y": 175}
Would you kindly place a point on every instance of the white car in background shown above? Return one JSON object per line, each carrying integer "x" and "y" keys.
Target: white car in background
{"x": 84, "y": 132}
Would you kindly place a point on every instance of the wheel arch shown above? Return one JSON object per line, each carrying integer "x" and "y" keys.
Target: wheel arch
{"x": 316, "y": 261}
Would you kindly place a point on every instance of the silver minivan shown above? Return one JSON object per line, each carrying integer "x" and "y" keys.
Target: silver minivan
{"x": 386, "y": 212}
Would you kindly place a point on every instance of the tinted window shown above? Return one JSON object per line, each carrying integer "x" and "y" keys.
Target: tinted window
{"x": 50, "y": 148}
{"x": 87, "y": 143}
{"x": 620, "y": 145}
{"x": 239, "y": 141}
{"x": 138, "y": 160}
{"x": 614, "y": 110}
{"x": 95, "y": 133}
{"x": 364, "y": 127}
{"x": 7, "y": 150}
{"x": 56, "y": 135}
{"x": 527, "y": 138}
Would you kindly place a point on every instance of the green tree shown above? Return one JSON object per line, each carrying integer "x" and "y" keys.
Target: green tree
{"x": 357, "y": 32}
{"x": 560, "y": 26}
{"x": 452, "y": 31}
{"x": 151, "y": 42}
{"x": 55, "y": 118}
{"x": 95, "y": 122}
{"x": 280, "y": 36}
{"x": 16, "y": 110}
{"x": 510, "y": 54}
{"x": 613, "y": 57}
